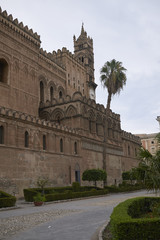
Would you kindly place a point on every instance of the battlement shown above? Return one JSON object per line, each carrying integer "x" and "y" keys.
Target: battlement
{"x": 29, "y": 119}
{"x": 60, "y": 53}
{"x": 19, "y": 28}
{"x": 51, "y": 57}
{"x": 131, "y": 137}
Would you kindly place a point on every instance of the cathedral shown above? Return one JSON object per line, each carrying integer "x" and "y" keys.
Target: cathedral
{"x": 50, "y": 123}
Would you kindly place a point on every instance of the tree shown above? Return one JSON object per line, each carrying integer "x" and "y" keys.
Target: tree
{"x": 94, "y": 175}
{"x": 150, "y": 164}
{"x": 113, "y": 78}
{"x": 42, "y": 182}
{"x": 129, "y": 175}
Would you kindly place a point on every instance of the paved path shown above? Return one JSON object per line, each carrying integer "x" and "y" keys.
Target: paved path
{"x": 72, "y": 220}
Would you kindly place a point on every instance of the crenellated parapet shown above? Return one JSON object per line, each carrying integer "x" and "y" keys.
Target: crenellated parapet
{"x": 131, "y": 137}
{"x": 59, "y": 54}
{"x": 29, "y": 119}
{"x": 49, "y": 57}
{"x": 114, "y": 115}
{"x": 19, "y": 28}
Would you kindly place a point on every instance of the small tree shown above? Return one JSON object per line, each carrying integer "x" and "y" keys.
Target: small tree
{"x": 129, "y": 175}
{"x": 41, "y": 182}
{"x": 94, "y": 175}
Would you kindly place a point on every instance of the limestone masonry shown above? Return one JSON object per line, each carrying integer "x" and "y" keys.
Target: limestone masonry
{"x": 50, "y": 123}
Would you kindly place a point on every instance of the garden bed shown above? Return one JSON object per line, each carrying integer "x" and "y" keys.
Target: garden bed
{"x": 128, "y": 221}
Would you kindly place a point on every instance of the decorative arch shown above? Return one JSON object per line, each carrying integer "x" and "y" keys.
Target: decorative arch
{"x": 84, "y": 111}
{"x": 41, "y": 91}
{"x": 99, "y": 118}
{"x": 77, "y": 96}
{"x": 57, "y": 115}
{"x": 91, "y": 115}
{"x": 51, "y": 90}
{"x": 129, "y": 150}
{"x": 32, "y": 73}
{"x": 99, "y": 125}
{"x": 61, "y": 92}
{"x": 71, "y": 111}
{"x": 45, "y": 115}
{"x": 91, "y": 121}
{"x": 25, "y": 70}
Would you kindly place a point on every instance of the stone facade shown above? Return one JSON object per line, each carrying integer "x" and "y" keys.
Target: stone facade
{"x": 50, "y": 123}
{"x": 150, "y": 142}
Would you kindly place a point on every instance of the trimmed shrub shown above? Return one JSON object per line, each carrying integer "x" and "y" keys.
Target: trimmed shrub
{"x": 71, "y": 195}
{"x": 124, "y": 188}
{"x": 75, "y": 186}
{"x": 7, "y": 200}
{"x": 124, "y": 225}
{"x": 29, "y": 194}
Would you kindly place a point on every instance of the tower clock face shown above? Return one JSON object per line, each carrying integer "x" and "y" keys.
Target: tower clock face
{"x": 92, "y": 93}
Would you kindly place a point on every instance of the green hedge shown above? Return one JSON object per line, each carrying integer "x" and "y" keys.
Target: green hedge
{"x": 124, "y": 188}
{"x": 6, "y": 200}
{"x": 31, "y": 192}
{"x": 124, "y": 225}
{"x": 72, "y": 195}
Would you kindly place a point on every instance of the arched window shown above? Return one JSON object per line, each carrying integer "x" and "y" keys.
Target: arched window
{"x": 44, "y": 142}
{"x": 3, "y": 71}
{"x": 90, "y": 126}
{"x": 41, "y": 92}
{"x": 75, "y": 147}
{"x": 136, "y": 152}
{"x": 77, "y": 173}
{"x": 51, "y": 93}
{"x": 26, "y": 139}
{"x": 61, "y": 145}
{"x": 97, "y": 128}
{"x": 129, "y": 152}
{"x": 60, "y": 94}
{"x": 1, "y": 135}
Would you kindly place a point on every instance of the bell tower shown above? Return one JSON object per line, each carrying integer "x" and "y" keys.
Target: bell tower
{"x": 83, "y": 51}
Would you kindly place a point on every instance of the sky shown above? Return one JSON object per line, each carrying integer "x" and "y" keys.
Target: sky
{"x": 125, "y": 30}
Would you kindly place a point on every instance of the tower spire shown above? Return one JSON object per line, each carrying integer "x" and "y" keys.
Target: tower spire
{"x": 82, "y": 29}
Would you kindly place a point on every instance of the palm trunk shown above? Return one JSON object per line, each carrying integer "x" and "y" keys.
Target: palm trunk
{"x": 109, "y": 101}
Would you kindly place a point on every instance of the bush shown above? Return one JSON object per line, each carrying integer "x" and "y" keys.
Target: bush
{"x": 29, "y": 194}
{"x": 75, "y": 186}
{"x": 124, "y": 225}
{"x": 124, "y": 188}
{"x": 7, "y": 200}
{"x": 72, "y": 195}
{"x": 39, "y": 198}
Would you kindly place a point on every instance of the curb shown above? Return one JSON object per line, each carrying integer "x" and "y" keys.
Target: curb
{"x": 100, "y": 235}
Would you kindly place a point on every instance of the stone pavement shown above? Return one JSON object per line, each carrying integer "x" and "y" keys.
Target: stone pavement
{"x": 78, "y": 219}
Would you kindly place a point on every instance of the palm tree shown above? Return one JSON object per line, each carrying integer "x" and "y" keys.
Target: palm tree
{"x": 150, "y": 164}
{"x": 113, "y": 78}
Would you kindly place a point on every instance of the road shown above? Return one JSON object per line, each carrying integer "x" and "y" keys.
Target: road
{"x": 71, "y": 220}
